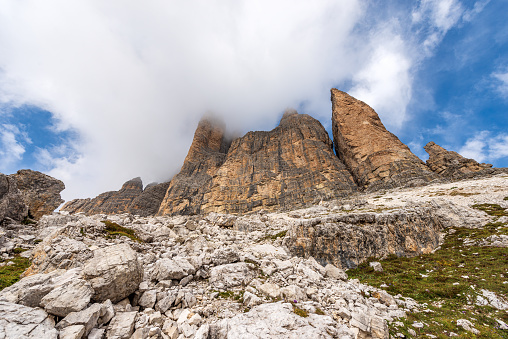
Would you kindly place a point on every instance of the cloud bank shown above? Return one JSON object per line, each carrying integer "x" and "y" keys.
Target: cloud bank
{"x": 132, "y": 79}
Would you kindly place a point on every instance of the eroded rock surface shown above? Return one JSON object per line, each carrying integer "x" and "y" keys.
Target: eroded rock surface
{"x": 12, "y": 204}
{"x": 41, "y": 192}
{"x": 348, "y": 240}
{"x": 375, "y": 157}
{"x": 292, "y": 165}
{"x": 108, "y": 202}
{"x": 453, "y": 165}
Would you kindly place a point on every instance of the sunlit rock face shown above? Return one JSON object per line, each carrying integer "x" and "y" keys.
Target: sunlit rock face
{"x": 453, "y": 165}
{"x": 292, "y": 165}
{"x": 375, "y": 157}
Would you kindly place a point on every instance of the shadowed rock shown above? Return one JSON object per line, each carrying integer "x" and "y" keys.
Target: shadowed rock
{"x": 12, "y": 204}
{"x": 453, "y": 165}
{"x": 109, "y": 202}
{"x": 40, "y": 192}
{"x": 375, "y": 157}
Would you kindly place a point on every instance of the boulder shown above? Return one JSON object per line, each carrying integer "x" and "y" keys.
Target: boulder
{"x": 18, "y": 321}
{"x": 121, "y": 326}
{"x": 375, "y": 157}
{"x": 275, "y": 320}
{"x": 71, "y": 296}
{"x": 114, "y": 273}
{"x": 88, "y": 318}
{"x": 176, "y": 268}
{"x": 230, "y": 275}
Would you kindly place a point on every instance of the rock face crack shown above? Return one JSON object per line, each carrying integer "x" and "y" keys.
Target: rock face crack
{"x": 375, "y": 157}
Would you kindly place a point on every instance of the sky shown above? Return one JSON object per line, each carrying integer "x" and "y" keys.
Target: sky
{"x": 97, "y": 92}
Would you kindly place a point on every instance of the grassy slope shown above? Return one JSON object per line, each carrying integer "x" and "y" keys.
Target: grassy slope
{"x": 447, "y": 283}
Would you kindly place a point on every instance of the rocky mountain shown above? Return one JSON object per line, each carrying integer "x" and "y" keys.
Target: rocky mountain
{"x": 453, "y": 165}
{"x": 266, "y": 274}
{"x": 375, "y": 157}
{"x": 28, "y": 193}
{"x": 292, "y": 165}
{"x": 131, "y": 198}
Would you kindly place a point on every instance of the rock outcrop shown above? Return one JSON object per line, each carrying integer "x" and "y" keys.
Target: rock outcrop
{"x": 375, "y": 157}
{"x": 149, "y": 201}
{"x": 12, "y": 204}
{"x": 348, "y": 240}
{"x": 41, "y": 192}
{"x": 206, "y": 154}
{"x": 293, "y": 165}
{"x": 453, "y": 165}
{"x": 131, "y": 198}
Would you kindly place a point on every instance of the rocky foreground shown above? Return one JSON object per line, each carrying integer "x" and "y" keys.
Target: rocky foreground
{"x": 262, "y": 275}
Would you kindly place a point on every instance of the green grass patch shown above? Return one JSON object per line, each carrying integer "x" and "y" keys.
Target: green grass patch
{"x": 113, "y": 229}
{"x": 237, "y": 296}
{"x": 491, "y": 209}
{"x": 9, "y": 274}
{"x": 448, "y": 281}
{"x": 300, "y": 312}
{"x": 505, "y": 198}
{"x": 19, "y": 250}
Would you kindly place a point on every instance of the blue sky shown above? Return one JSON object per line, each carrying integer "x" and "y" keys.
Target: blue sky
{"x": 96, "y": 93}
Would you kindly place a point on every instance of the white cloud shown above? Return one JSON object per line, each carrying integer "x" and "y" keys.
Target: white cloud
{"x": 501, "y": 83}
{"x": 12, "y": 148}
{"x": 437, "y": 18}
{"x": 385, "y": 80}
{"x": 486, "y": 147}
{"x": 133, "y": 78}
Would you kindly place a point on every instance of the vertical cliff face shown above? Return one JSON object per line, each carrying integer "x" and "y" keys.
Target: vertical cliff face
{"x": 451, "y": 164}
{"x": 206, "y": 154}
{"x": 290, "y": 166}
{"x": 375, "y": 157}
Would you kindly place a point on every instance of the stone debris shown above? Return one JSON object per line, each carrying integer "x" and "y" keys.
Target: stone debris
{"x": 202, "y": 277}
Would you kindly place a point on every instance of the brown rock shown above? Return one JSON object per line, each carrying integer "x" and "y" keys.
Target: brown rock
{"x": 149, "y": 201}
{"x": 348, "y": 240}
{"x": 206, "y": 154}
{"x": 453, "y": 165}
{"x": 112, "y": 202}
{"x": 40, "y": 192}
{"x": 375, "y": 157}
{"x": 12, "y": 204}
{"x": 293, "y": 165}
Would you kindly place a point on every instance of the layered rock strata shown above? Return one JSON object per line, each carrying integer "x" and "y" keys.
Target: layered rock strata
{"x": 131, "y": 198}
{"x": 348, "y": 240}
{"x": 375, "y": 157}
{"x": 293, "y": 165}
{"x": 206, "y": 154}
{"x": 40, "y": 192}
{"x": 453, "y": 165}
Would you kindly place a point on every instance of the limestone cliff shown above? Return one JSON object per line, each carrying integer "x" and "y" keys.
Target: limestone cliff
{"x": 453, "y": 165}
{"x": 206, "y": 154}
{"x": 148, "y": 202}
{"x": 292, "y": 165}
{"x": 375, "y": 157}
